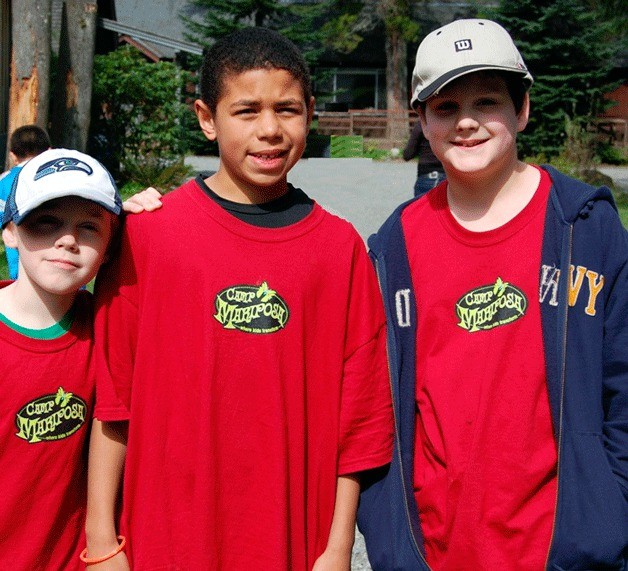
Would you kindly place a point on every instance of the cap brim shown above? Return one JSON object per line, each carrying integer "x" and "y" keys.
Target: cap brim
{"x": 448, "y": 77}
{"x": 102, "y": 199}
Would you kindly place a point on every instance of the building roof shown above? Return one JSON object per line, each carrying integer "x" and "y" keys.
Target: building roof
{"x": 155, "y": 27}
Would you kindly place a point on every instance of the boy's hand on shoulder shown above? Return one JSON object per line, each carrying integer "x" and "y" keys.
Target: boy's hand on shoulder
{"x": 147, "y": 200}
{"x": 333, "y": 560}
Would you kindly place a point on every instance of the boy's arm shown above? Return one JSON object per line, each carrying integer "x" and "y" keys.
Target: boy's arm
{"x": 107, "y": 451}
{"x": 337, "y": 554}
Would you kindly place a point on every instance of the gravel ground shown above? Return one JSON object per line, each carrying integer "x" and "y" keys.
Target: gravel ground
{"x": 360, "y": 561}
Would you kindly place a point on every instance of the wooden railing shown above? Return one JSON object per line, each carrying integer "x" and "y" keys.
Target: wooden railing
{"x": 368, "y": 123}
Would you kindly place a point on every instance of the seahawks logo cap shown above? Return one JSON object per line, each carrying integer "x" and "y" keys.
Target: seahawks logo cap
{"x": 57, "y": 173}
{"x": 462, "y": 47}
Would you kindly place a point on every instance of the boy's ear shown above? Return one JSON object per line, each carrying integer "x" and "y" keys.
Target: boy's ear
{"x": 424, "y": 127}
{"x": 205, "y": 119}
{"x": 9, "y": 235}
{"x": 310, "y": 111}
{"x": 524, "y": 114}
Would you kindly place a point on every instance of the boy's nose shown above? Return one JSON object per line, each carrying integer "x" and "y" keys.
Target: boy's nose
{"x": 268, "y": 125}
{"x": 67, "y": 240}
{"x": 466, "y": 120}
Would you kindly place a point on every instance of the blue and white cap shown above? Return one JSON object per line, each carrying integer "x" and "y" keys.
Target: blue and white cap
{"x": 461, "y": 47}
{"x": 57, "y": 173}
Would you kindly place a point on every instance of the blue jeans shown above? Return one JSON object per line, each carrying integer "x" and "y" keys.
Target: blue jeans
{"x": 427, "y": 182}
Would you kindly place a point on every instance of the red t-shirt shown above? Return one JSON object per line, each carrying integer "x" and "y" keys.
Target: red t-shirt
{"x": 251, "y": 365}
{"x": 47, "y": 394}
{"x": 485, "y": 461}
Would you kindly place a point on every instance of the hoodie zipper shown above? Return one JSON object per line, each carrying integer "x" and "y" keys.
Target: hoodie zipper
{"x": 562, "y": 390}
{"x": 397, "y": 437}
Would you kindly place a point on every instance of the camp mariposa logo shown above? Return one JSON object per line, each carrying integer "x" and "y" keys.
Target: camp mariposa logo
{"x": 51, "y": 417}
{"x": 253, "y": 309}
{"x": 491, "y": 306}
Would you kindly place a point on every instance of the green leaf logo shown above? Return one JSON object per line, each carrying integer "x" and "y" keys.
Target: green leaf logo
{"x": 499, "y": 288}
{"x": 265, "y": 293}
{"x": 62, "y": 398}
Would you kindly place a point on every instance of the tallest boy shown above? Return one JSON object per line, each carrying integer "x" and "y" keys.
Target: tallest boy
{"x": 241, "y": 337}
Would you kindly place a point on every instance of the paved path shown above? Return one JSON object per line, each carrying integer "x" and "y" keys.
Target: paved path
{"x": 618, "y": 174}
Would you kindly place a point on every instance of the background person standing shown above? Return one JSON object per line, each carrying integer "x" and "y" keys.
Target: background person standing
{"x": 429, "y": 171}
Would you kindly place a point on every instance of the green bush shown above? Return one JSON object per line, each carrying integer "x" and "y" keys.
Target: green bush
{"x": 164, "y": 175}
{"x": 611, "y": 155}
{"x": 138, "y": 109}
{"x": 375, "y": 153}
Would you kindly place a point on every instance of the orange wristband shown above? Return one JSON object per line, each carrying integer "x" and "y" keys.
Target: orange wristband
{"x": 95, "y": 560}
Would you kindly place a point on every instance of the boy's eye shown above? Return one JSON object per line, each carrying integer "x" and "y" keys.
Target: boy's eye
{"x": 487, "y": 101}
{"x": 445, "y": 107}
{"x": 289, "y": 110}
{"x": 43, "y": 222}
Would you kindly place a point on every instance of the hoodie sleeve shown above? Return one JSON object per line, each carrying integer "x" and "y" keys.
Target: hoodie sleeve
{"x": 615, "y": 365}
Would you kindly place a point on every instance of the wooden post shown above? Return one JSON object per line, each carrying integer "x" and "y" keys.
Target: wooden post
{"x": 73, "y": 88}
{"x": 30, "y": 63}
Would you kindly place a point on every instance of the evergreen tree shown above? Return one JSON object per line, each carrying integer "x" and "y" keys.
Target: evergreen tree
{"x": 221, "y": 17}
{"x": 567, "y": 49}
{"x": 301, "y": 22}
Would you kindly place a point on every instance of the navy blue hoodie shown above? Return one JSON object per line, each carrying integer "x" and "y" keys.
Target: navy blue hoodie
{"x": 586, "y": 354}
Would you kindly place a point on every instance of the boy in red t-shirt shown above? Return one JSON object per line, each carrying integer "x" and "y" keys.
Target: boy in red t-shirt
{"x": 507, "y": 289}
{"x": 61, "y": 216}
{"x": 242, "y": 375}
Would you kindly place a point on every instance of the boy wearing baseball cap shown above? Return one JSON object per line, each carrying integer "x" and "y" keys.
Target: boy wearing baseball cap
{"x": 507, "y": 300}
{"x": 61, "y": 215}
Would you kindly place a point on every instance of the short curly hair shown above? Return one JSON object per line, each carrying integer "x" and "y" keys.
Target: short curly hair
{"x": 245, "y": 50}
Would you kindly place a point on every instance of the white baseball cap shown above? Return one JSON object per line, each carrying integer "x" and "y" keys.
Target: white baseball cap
{"x": 462, "y": 47}
{"x": 57, "y": 173}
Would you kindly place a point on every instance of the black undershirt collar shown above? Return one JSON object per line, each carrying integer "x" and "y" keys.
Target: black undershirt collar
{"x": 288, "y": 209}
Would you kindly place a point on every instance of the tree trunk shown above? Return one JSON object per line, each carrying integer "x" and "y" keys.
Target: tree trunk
{"x": 396, "y": 88}
{"x": 30, "y": 63}
{"x": 73, "y": 88}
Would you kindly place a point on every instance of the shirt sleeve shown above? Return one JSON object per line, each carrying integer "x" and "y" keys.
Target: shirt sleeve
{"x": 115, "y": 334}
{"x": 366, "y": 424}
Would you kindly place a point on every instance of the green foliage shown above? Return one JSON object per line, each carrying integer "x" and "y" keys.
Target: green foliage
{"x": 164, "y": 175}
{"x": 4, "y": 266}
{"x": 398, "y": 19}
{"x": 339, "y": 34}
{"x": 310, "y": 25}
{"x": 621, "y": 198}
{"x": 137, "y": 108}
{"x": 304, "y": 25}
{"x": 577, "y": 158}
{"x": 612, "y": 155}
{"x": 222, "y": 17}
{"x": 375, "y": 153}
{"x": 570, "y": 51}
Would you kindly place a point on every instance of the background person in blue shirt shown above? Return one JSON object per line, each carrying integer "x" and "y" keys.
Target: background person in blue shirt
{"x": 26, "y": 142}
